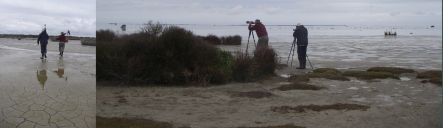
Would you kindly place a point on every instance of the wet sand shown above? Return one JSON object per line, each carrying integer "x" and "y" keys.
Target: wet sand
{"x": 56, "y": 92}
{"x": 405, "y": 103}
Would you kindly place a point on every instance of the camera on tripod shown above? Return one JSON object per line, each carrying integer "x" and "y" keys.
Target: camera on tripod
{"x": 250, "y": 22}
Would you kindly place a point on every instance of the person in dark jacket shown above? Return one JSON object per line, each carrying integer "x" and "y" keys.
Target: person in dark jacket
{"x": 262, "y": 34}
{"x": 301, "y": 38}
{"x": 43, "y": 38}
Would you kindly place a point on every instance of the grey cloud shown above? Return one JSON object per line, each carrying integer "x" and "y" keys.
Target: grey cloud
{"x": 358, "y": 12}
{"x": 29, "y": 16}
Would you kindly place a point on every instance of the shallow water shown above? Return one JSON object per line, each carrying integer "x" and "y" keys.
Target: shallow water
{"x": 418, "y": 47}
{"x": 56, "y": 92}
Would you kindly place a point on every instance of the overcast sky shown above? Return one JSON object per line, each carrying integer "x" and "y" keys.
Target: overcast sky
{"x": 29, "y": 16}
{"x": 347, "y": 12}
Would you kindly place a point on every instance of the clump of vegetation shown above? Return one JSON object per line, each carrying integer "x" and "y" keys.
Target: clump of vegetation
{"x": 327, "y": 73}
{"x": 262, "y": 64}
{"x": 298, "y": 86}
{"x": 370, "y": 75}
{"x": 243, "y": 68}
{"x": 159, "y": 55}
{"x": 224, "y": 40}
{"x": 105, "y": 35}
{"x": 266, "y": 60}
{"x": 298, "y": 78}
{"x": 212, "y": 39}
{"x": 433, "y": 76}
{"x": 327, "y": 70}
{"x": 318, "y": 108}
{"x": 277, "y": 126}
{"x": 174, "y": 56}
{"x": 253, "y": 94}
{"x": 114, "y": 122}
{"x": 231, "y": 40}
{"x": 393, "y": 70}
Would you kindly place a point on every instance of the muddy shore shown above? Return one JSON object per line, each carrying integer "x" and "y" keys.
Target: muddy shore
{"x": 405, "y": 102}
{"x": 55, "y": 92}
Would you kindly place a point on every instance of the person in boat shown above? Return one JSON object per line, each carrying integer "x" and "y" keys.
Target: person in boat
{"x": 301, "y": 39}
{"x": 42, "y": 40}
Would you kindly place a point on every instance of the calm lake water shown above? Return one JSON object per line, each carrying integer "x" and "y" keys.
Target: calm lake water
{"x": 339, "y": 46}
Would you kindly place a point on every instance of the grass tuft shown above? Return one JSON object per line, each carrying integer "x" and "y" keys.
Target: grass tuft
{"x": 370, "y": 75}
{"x": 433, "y": 76}
{"x": 318, "y": 108}
{"x": 393, "y": 70}
{"x": 115, "y": 122}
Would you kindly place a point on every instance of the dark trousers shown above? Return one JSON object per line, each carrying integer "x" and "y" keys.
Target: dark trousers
{"x": 43, "y": 48}
{"x": 301, "y": 52}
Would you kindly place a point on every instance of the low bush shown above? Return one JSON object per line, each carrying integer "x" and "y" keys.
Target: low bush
{"x": 262, "y": 64}
{"x": 393, "y": 70}
{"x": 370, "y": 75}
{"x": 231, "y": 40}
{"x": 170, "y": 55}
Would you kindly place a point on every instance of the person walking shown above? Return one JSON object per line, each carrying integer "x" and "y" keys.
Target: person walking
{"x": 262, "y": 34}
{"x": 42, "y": 40}
{"x": 301, "y": 38}
{"x": 62, "y": 40}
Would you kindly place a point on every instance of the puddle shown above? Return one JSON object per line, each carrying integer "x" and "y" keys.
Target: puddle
{"x": 403, "y": 78}
{"x": 352, "y": 88}
{"x": 285, "y": 75}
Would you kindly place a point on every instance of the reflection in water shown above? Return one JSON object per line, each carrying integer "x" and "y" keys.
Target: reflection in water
{"x": 60, "y": 69}
{"x": 41, "y": 73}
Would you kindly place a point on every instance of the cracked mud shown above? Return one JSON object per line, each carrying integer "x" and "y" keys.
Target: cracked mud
{"x": 53, "y": 93}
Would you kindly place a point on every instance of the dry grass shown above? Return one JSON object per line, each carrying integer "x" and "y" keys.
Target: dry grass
{"x": 298, "y": 86}
{"x": 327, "y": 70}
{"x": 115, "y": 122}
{"x": 253, "y": 94}
{"x": 393, "y": 70}
{"x": 433, "y": 76}
{"x": 328, "y": 76}
{"x": 277, "y": 126}
{"x": 318, "y": 108}
{"x": 370, "y": 75}
{"x": 298, "y": 78}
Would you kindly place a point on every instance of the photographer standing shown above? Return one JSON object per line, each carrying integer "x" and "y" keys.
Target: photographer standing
{"x": 262, "y": 34}
{"x": 301, "y": 38}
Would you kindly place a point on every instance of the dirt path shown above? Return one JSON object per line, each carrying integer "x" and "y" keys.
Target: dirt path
{"x": 380, "y": 103}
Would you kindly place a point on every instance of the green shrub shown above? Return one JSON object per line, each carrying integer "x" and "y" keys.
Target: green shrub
{"x": 231, "y": 40}
{"x": 105, "y": 35}
{"x": 393, "y": 70}
{"x": 212, "y": 39}
{"x": 158, "y": 55}
{"x": 243, "y": 68}
{"x": 370, "y": 75}
{"x": 247, "y": 68}
{"x": 266, "y": 60}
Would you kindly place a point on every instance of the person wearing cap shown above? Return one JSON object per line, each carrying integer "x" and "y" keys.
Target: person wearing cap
{"x": 262, "y": 34}
{"x": 42, "y": 40}
{"x": 62, "y": 40}
{"x": 301, "y": 39}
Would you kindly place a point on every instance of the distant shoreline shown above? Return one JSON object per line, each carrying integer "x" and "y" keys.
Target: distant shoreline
{"x": 22, "y": 36}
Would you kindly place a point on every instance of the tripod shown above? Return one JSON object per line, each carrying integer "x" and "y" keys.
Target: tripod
{"x": 292, "y": 51}
{"x": 253, "y": 37}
